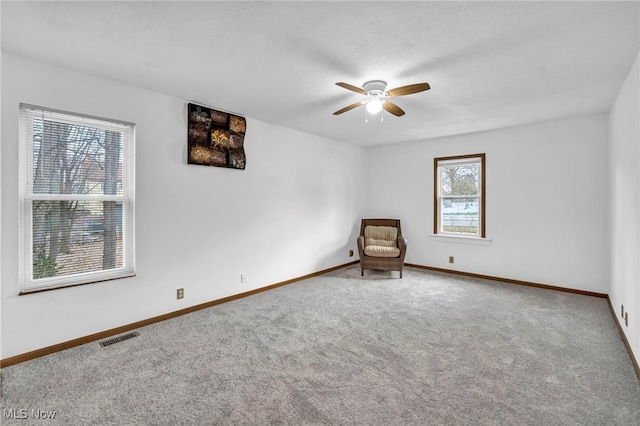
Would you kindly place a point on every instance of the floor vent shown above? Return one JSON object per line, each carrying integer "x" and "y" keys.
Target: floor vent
{"x": 119, "y": 339}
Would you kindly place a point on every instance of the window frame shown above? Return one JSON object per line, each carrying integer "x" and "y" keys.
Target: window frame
{"x": 441, "y": 161}
{"x": 27, "y": 195}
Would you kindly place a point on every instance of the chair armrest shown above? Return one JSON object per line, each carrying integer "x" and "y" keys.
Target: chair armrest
{"x": 361, "y": 246}
{"x": 403, "y": 243}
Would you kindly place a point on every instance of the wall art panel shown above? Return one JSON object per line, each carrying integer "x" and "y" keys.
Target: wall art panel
{"x": 215, "y": 138}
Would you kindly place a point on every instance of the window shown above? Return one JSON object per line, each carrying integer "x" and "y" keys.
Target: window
{"x": 459, "y": 195}
{"x": 76, "y": 199}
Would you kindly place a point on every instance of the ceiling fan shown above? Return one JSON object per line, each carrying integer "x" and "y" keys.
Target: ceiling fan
{"x": 377, "y": 95}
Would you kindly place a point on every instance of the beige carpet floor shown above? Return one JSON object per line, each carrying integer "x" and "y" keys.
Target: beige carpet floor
{"x": 340, "y": 349}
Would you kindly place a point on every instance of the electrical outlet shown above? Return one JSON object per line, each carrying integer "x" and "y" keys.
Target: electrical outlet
{"x": 243, "y": 278}
{"x": 626, "y": 319}
{"x": 450, "y": 259}
{"x": 180, "y": 293}
{"x": 350, "y": 253}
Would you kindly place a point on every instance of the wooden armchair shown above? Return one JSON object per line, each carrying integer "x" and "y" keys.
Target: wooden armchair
{"x": 381, "y": 245}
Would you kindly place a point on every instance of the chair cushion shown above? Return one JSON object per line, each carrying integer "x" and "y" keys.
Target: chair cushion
{"x": 381, "y": 241}
{"x": 382, "y": 251}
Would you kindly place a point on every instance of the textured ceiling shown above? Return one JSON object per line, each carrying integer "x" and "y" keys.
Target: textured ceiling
{"x": 489, "y": 64}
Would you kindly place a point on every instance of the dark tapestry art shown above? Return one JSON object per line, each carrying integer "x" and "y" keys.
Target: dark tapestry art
{"x": 216, "y": 138}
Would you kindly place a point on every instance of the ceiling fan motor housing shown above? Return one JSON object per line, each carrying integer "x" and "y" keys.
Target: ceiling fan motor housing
{"x": 375, "y": 87}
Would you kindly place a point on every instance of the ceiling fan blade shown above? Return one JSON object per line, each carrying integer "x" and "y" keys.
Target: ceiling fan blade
{"x": 393, "y": 108}
{"x": 352, "y": 88}
{"x": 347, "y": 108}
{"x": 408, "y": 90}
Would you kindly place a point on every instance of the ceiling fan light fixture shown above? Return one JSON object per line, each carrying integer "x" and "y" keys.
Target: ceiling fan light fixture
{"x": 374, "y": 105}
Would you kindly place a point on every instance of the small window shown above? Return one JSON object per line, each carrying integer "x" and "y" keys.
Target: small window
{"x": 459, "y": 195}
{"x": 76, "y": 199}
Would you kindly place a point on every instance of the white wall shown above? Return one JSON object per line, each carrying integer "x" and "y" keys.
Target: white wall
{"x": 545, "y": 202}
{"x": 624, "y": 136}
{"x": 295, "y": 210}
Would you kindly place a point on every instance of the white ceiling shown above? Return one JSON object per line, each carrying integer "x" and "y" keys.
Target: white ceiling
{"x": 489, "y": 64}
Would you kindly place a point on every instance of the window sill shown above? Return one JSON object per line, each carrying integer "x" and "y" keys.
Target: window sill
{"x": 461, "y": 239}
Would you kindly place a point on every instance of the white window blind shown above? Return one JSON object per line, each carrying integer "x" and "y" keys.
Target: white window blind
{"x": 77, "y": 184}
